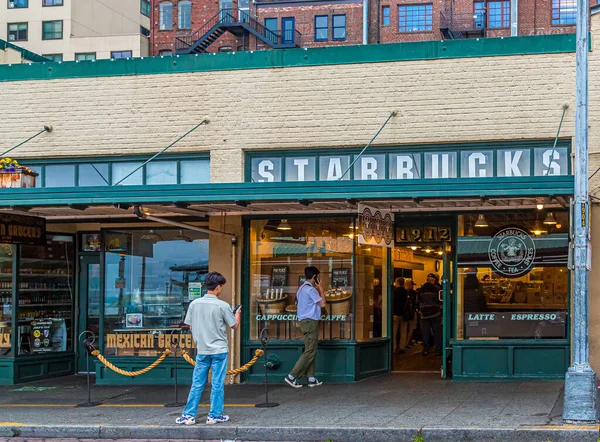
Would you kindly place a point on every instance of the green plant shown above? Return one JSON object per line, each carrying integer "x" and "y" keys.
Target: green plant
{"x": 419, "y": 436}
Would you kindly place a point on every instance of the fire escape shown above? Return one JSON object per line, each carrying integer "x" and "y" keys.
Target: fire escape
{"x": 456, "y": 26}
{"x": 239, "y": 23}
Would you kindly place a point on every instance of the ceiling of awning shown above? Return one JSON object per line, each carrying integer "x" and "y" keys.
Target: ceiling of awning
{"x": 203, "y": 210}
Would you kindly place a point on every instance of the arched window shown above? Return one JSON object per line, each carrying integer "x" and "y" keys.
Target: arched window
{"x": 166, "y": 16}
{"x": 185, "y": 14}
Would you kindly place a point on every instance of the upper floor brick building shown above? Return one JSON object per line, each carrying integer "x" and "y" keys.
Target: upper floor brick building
{"x": 194, "y": 26}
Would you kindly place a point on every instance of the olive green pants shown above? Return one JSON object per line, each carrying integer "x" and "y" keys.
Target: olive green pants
{"x": 306, "y": 364}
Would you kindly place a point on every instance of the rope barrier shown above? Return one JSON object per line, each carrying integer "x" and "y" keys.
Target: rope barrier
{"x": 102, "y": 359}
{"x": 257, "y": 354}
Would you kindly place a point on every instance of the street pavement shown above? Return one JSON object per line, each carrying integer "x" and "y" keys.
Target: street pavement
{"x": 387, "y": 408}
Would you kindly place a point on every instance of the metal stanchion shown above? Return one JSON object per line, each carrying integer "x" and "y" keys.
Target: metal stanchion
{"x": 264, "y": 340}
{"x": 176, "y": 404}
{"x": 88, "y": 345}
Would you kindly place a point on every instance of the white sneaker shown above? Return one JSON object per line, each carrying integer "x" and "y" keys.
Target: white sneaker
{"x": 216, "y": 420}
{"x": 185, "y": 419}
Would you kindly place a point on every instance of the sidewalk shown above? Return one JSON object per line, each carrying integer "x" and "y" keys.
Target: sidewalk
{"x": 386, "y": 408}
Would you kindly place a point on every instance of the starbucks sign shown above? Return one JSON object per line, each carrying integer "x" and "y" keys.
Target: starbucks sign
{"x": 512, "y": 252}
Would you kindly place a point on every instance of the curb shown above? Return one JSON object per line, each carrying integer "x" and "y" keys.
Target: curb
{"x": 337, "y": 434}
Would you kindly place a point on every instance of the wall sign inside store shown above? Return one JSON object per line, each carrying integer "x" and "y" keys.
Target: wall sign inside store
{"x": 512, "y": 252}
{"x": 375, "y": 226}
{"x": 19, "y": 229}
{"x": 506, "y": 162}
{"x": 423, "y": 234}
{"x": 535, "y": 325}
{"x": 4, "y": 340}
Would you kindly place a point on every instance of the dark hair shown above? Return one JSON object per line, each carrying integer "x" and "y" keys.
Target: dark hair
{"x": 311, "y": 272}
{"x": 213, "y": 279}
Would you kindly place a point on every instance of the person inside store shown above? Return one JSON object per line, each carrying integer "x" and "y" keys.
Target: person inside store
{"x": 208, "y": 318}
{"x": 377, "y": 309}
{"x": 431, "y": 314}
{"x": 400, "y": 326}
{"x": 310, "y": 300}
{"x": 411, "y": 319}
{"x": 474, "y": 299}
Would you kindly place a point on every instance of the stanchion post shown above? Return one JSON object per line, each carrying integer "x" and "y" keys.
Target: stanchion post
{"x": 88, "y": 346}
{"x": 176, "y": 403}
{"x": 264, "y": 340}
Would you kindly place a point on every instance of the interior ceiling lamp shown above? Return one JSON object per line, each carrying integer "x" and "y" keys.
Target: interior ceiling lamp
{"x": 440, "y": 252}
{"x": 470, "y": 231}
{"x": 283, "y": 225}
{"x": 481, "y": 221}
{"x": 353, "y": 226}
{"x": 539, "y": 204}
{"x": 413, "y": 248}
{"x": 550, "y": 219}
{"x": 539, "y": 229}
{"x": 427, "y": 249}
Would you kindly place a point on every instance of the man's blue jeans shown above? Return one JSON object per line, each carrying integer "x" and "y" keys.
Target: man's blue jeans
{"x": 217, "y": 394}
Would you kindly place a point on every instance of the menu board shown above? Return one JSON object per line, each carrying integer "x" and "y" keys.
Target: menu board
{"x": 340, "y": 278}
{"x": 194, "y": 290}
{"x": 279, "y": 276}
{"x": 42, "y": 336}
{"x": 533, "y": 325}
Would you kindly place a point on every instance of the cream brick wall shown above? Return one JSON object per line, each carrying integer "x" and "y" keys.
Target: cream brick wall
{"x": 439, "y": 101}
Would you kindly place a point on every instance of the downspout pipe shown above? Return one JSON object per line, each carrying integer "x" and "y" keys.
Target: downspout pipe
{"x": 514, "y": 18}
{"x": 234, "y": 296}
{"x": 365, "y": 22}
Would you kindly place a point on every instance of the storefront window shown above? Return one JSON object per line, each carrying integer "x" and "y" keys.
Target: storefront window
{"x": 6, "y": 307}
{"x": 151, "y": 276}
{"x": 46, "y": 296}
{"x": 513, "y": 281}
{"x": 280, "y": 249}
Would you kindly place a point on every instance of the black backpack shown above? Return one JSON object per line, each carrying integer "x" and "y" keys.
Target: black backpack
{"x": 409, "y": 309}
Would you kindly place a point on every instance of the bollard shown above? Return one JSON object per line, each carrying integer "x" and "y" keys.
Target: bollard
{"x": 264, "y": 340}
{"x": 88, "y": 346}
{"x": 176, "y": 403}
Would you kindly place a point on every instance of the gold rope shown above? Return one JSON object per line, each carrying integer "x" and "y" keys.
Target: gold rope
{"x": 102, "y": 359}
{"x": 243, "y": 368}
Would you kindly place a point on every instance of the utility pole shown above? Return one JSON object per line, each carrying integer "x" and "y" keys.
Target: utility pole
{"x": 581, "y": 389}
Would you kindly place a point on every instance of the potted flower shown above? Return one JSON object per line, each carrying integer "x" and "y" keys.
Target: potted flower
{"x": 12, "y": 174}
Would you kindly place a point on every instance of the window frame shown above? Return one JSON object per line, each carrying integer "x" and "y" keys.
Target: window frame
{"x": 428, "y": 18}
{"x": 163, "y": 54}
{"x": 383, "y": 15}
{"x": 17, "y": 23}
{"x": 326, "y": 17}
{"x": 44, "y": 5}
{"x": 179, "y": 14}
{"x": 559, "y": 14}
{"x": 44, "y": 37}
{"x": 145, "y": 6}
{"x": 504, "y": 5}
{"x": 276, "y": 31}
{"x": 77, "y": 54}
{"x": 334, "y": 27}
{"x": 144, "y": 31}
{"x": 479, "y": 8}
{"x": 14, "y": 2}
{"x": 54, "y": 55}
{"x": 120, "y": 52}
{"x": 160, "y": 16}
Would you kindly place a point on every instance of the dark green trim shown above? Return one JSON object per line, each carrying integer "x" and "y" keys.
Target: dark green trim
{"x": 27, "y": 55}
{"x": 290, "y": 191}
{"x": 381, "y": 53}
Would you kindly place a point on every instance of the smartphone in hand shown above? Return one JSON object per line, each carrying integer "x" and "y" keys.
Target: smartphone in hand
{"x": 237, "y": 307}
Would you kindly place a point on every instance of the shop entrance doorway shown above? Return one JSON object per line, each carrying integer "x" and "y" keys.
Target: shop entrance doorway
{"x": 89, "y": 304}
{"x": 421, "y": 311}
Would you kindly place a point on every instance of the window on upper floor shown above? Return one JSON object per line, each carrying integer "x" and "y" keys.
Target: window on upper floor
{"x": 85, "y": 56}
{"x": 166, "y": 16}
{"x": 321, "y": 27}
{"x": 17, "y": 31}
{"x": 144, "y": 7}
{"x": 271, "y": 29}
{"x": 18, "y": 4}
{"x": 144, "y": 31}
{"x": 52, "y": 2}
{"x": 385, "y": 16}
{"x": 185, "y": 14}
{"x": 54, "y": 57}
{"x": 415, "y": 18}
{"x": 499, "y": 14}
{"x": 166, "y": 53}
{"x": 120, "y": 54}
{"x": 479, "y": 15}
{"x": 52, "y": 30}
{"x": 564, "y": 12}
{"x": 339, "y": 27}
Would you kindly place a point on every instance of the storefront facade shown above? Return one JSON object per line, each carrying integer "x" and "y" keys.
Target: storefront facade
{"x": 259, "y": 195}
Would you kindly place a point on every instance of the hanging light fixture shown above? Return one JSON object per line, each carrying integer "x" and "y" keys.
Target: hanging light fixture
{"x": 413, "y": 248}
{"x": 540, "y": 204}
{"x": 427, "y": 249}
{"x": 539, "y": 229}
{"x": 440, "y": 252}
{"x": 353, "y": 225}
{"x": 481, "y": 221}
{"x": 283, "y": 225}
{"x": 470, "y": 231}
{"x": 550, "y": 219}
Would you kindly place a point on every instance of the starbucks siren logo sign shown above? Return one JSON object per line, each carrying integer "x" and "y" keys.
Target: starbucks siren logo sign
{"x": 512, "y": 252}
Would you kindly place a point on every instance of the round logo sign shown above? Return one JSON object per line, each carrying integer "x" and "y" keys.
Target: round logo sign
{"x": 512, "y": 252}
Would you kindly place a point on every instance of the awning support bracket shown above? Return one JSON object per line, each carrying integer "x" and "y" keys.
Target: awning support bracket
{"x": 45, "y": 129}
{"x": 205, "y": 121}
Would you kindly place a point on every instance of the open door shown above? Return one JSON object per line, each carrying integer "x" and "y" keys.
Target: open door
{"x": 446, "y": 298}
